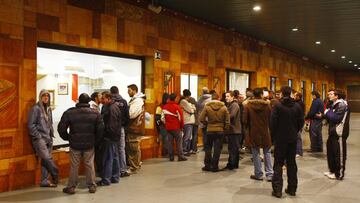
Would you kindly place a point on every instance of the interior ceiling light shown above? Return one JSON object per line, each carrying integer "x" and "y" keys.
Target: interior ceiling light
{"x": 295, "y": 29}
{"x": 355, "y": 65}
{"x": 333, "y": 50}
{"x": 317, "y": 42}
{"x": 350, "y": 61}
{"x": 343, "y": 57}
{"x": 257, "y": 8}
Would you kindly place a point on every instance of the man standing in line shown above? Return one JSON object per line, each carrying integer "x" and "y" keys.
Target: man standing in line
{"x": 338, "y": 116}
{"x": 234, "y": 131}
{"x": 172, "y": 116}
{"x": 203, "y": 100}
{"x": 125, "y": 118}
{"x": 112, "y": 119}
{"x": 136, "y": 127}
{"x": 95, "y": 101}
{"x": 86, "y": 128}
{"x": 257, "y": 119}
{"x": 286, "y": 121}
{"x": 188, "y": 110}
{"x": 317, "y": 107}
{"x": 41, "y": 131}
{"x": 216, "y": 116}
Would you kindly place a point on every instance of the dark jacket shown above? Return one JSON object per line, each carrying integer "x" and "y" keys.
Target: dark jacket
{"x": 235, "y": 117}
{"x": 216, "y": 116}
{"x": 317, "y": 106}
{"x": 257, "y": 118}
{"x": 124, "y": 108}
{"x": 286, "y": 121}
{"x": 173, "y": 122}
{"x": 40, "y": 120}
{"x": 86, "y": 127}
{"x": 301, "y": 104}
{"x": 112, "y": 120}
{"x": 335, "y": 115}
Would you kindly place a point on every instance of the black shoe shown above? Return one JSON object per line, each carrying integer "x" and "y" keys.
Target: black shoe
{"x": 114, "y": 181}
{"x": 206, "y": 168}
{"x": 215, "y": 170}
{"x": 227, "y": 167}
{"x": 55, "y": 179}
{"x": 291, "y": 193}
{"x": 101, "y": 183}
{"x": 187, "y": 154}
{"x": 69, "y": 190}
{"x": 92, "y": 189}
{"x": 255, "y": 178}
{"x": 124, "y": 174}
{"x": 182, "y": 159}
{"x": 276, "y": 194}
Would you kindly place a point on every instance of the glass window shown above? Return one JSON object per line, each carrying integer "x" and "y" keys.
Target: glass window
{"x": 273, "y": 84}
{"x": 312, "y": 86}
{"x": 324, "y": 91}
{"x": 190, "y": 82}
{"x": 290, "y": 83}
{"x": 67, "y": 74}
{"x": 238, "y": 81}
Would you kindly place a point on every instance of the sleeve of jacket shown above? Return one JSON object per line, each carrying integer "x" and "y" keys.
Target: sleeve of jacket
{"x": 227, "y": 120}
{"x": 63, "y": 126}
{"x": 234, "y": 111}
{"x": 33, "y": 117}
{"x": 337, "y": 116}
{"x": 274, "y": 120}
{"x": 245, "y": 116}
{"x": 99, "y": 129}
{"x": 186, "y": 106}
{"x": 135, "y": 109}
{"x": 181, "y": 118}
{"x": 114, "y": 123}
{"x": 203, "y": 115}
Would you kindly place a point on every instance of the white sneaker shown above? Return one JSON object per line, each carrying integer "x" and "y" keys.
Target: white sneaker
{"x": 298, "y": 156}
{"x": 327, "y": 173}
{"x": 331, "y": 176}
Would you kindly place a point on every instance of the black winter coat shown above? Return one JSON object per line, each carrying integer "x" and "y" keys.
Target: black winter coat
{"x": 86, "y": 127}
{"x": 112, "y": 119}
{"x": 286, "y": 120}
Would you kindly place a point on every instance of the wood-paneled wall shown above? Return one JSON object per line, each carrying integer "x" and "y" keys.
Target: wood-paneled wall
{"x": 121, "y": 27}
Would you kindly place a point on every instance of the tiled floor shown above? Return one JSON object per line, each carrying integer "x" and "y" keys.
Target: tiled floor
{"x": 163, "y": 181}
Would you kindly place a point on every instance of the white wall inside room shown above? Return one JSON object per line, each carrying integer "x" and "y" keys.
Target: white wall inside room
{"x": 238, "y": 81}
{"x": 95, "y": 72}
{"x": 190, "y": 82}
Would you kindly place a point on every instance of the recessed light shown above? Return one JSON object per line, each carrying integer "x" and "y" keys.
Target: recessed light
{"x": 350, "y": 61}
{"x": 295, "y": 29}
{"x": 257, "y": 8}
{"x": 355, "y": 65}
{"x": 359, "y": 68}
{"x": 333, "y": 50}
{"x": 317, "y": 42}
{"x": 343, "y": 57}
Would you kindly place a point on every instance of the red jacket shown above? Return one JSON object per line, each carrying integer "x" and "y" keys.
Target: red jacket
{"x": 172, "y": 122}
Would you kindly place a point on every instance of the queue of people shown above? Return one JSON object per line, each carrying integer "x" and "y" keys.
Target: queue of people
{"x": 105, "y": 132}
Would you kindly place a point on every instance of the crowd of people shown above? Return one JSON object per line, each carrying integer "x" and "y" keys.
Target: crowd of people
{"x": 105, "y": 131}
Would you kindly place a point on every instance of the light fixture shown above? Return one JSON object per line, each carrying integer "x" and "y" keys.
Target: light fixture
{"x": 355, "y": 65}
{"x": 257, "y": 8}
{"x": 317, "y": 42}
{"x": 295, "y": 29}
{"x": 333, "y": 50}
{"x": 343, "y": 57}
{"x": 350, "y": 61}
{"x": 359, "y": 68}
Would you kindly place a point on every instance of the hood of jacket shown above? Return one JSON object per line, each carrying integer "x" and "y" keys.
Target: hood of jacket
{"x": 287, "y": 101}
{"x": 140, "y": 95}
{"x": 116, "y": 97}
{"x": 258, "y": 104}
{"x": 42, "y": 93}
{"x": 204, "y": 97}
{"x": 215, "y": 105}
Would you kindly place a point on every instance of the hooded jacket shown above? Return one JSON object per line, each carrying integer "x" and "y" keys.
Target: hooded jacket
{"x": 335, "y": 115}
{"x": 188, "y": 111}
{"x": 235, "y": 117}
{"x": 112, "y": 120}
{"x": 203, "y": 100}
{"x": 40, "y": 120}
{"x": 216, "y": 116}
{"x": 124, "y": 108}
{"x": 137, "y": 114}
{"x": 256, "y": 117}
{"x": 86, "y": 126}
{"x": 287, "y": 119}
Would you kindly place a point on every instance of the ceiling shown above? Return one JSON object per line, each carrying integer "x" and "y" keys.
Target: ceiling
{"x": 335, "y": 23}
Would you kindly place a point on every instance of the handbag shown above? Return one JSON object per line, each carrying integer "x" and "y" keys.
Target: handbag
{"x": 340, "y": 126}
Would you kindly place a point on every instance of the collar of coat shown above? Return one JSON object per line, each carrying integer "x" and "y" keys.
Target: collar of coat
{"x": 258, "y": 101}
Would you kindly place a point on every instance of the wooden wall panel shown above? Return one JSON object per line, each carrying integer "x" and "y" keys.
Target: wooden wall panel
{"x": 114, "y": 25}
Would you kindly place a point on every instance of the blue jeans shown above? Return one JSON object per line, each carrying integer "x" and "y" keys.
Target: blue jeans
{"x": 43, "y": 151}
{"x": 257, "y": 162}
{"x": 299, "y": 149}
{"x": 194, "y": 139}
{"x": 316, "y": 135}
{"x": 111, "y": 167}
{"x": 188, "y": 128}
{"x": 122, "y": 155}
